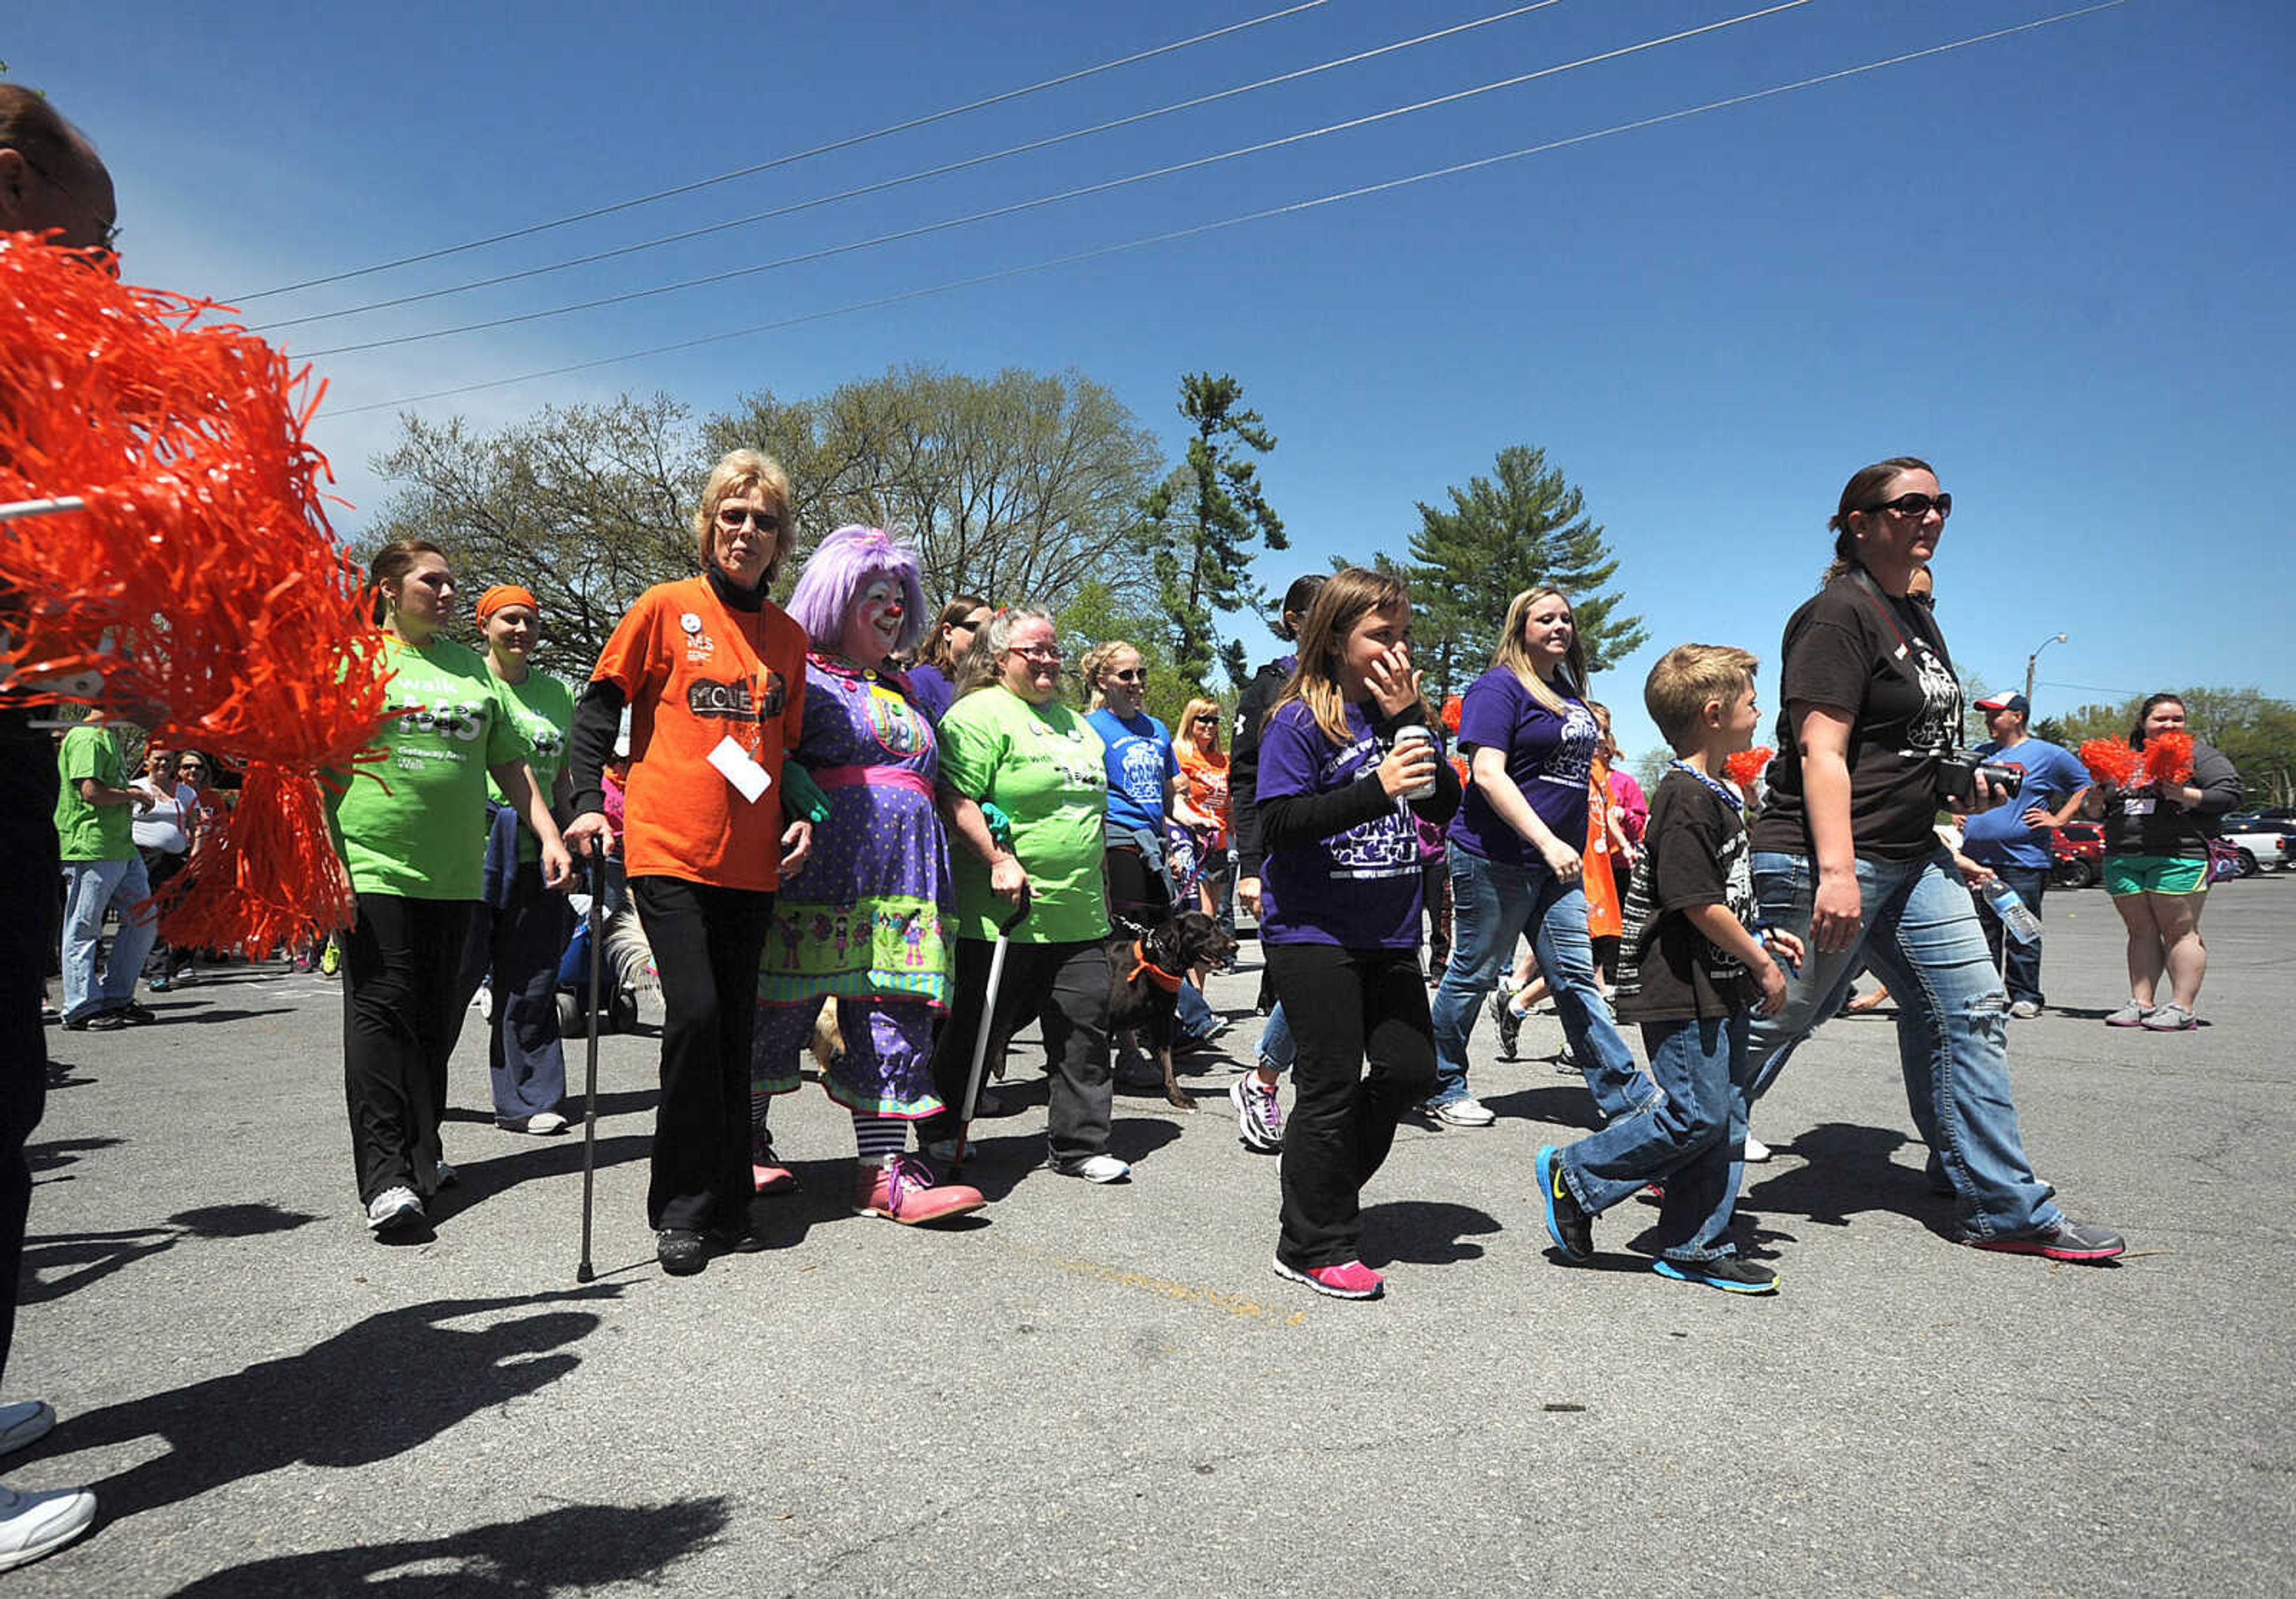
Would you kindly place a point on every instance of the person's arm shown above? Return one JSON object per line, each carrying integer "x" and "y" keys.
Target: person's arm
{"x": 103, "y": 793}
{"x": 1822, "y": 737}
{"x": 515, "y": 778}
{"x": 2218, "y": 789}
{"x": 2040, "y": 818}
{"x": 1177, "y": 805}
{"x": 1727, "y": 933}
{"x": 968, "y": 826}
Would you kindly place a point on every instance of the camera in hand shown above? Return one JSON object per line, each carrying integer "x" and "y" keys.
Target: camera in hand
{"x": 1958, "y": 771}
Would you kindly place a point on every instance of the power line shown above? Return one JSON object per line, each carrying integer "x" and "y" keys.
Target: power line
{"x": 784, "y": 160}
{"x": 1015, "y": 208}
{"x": 1273, "y": 212}
{"x": 894, "y": 183}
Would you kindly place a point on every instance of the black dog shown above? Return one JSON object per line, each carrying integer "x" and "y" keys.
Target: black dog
{"x": 1144, "y": 982}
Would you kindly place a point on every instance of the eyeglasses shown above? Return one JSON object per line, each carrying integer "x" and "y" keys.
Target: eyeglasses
{"x": 1137, "y": 675}
{"x": 107, "y": 238}
{"x": 1207, "y": 717}
{"x": 1917, "y": 504}
{"x": 966, "y": 623}
{"x": 734, "y": 516}
{"x": 1041, "y": 654}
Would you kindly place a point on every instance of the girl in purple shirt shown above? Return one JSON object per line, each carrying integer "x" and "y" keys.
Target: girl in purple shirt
{"x": 1341, "y": 912}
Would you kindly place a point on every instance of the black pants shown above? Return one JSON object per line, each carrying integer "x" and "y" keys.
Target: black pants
{"x": 1137, "y": 892}
{"x": 1346, "y": 1006}
{"x": 27, "y": 943}
{"x": 398, "y": 1029}
{"x": 160, "y": 867}
{"x": 1066, "y": 985}
{"x": 707, "y": 943}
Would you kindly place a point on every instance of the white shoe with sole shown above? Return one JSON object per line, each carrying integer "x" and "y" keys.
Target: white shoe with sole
{"x": 1755, "y": 1152}
{"x": 1096, "y": 1168}
{"x": 394, "y": 1207}
{"x": 1465, "y": 1111}
{"x": 34, "y": 1524}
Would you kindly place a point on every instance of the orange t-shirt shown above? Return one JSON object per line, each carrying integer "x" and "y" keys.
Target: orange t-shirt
{"x": 1598, "y": 878}
{"x": 1207, "y": 775}
{"x": 695, "y": 673}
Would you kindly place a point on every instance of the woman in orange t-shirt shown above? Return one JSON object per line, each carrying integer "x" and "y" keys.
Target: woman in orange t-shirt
{"x": 713, "y": 675}
{"x": 1203, "y": 765}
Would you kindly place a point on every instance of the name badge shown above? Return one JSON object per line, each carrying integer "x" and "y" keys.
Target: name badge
{"x": 735, "y": 763}
{"x": 2136, "y": 805}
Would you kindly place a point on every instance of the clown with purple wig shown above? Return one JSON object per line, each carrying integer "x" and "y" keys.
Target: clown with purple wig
{"x": 866, "y": 921}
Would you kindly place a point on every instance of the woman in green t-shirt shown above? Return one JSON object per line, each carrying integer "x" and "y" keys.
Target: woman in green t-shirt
{"x": 519, "y": 932}
{"x": 411, "y": 826}
{"x": 1009, "y": 743}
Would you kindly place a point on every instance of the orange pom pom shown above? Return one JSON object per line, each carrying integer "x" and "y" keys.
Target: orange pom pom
{"x": 266, "y": 878}
{"x": 202, "y": 584}
{"x": 2110, "y": 760}
{"x": 2169, "y": 758}
{"x": 1452, "y": 708}
{"x": 1744, "y": 767}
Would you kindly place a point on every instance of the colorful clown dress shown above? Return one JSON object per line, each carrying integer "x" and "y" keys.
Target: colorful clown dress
{"x": 863, "y": 922}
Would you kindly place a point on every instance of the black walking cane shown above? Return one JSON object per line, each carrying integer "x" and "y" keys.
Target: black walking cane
{"x": 594, "y": 918}
{"x": 987, "y": 1026}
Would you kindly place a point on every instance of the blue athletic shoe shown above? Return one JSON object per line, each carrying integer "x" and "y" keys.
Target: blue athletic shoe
{"x": 1566, "y": 1221}
{"x": 1726, "y": 1272}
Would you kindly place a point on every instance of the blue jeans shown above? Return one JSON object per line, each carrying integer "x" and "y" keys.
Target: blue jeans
{"x": 1196, "y": 1017}
{"x": 90, "y": 887}
{"x": 1691, "y": 1140}
{"x": 1276, "y": 1049}
{"x": 1491, "y": 906}
{"x": 1920, "y": 937}
{"x": 2020, "y": 963}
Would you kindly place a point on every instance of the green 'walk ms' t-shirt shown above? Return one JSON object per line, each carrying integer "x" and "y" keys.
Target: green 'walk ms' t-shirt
{"x": 544, "y": 710}
{"x": 415, "y": 822}
{"x": 1044, "y": 767}
{"x": 91, "y": 832}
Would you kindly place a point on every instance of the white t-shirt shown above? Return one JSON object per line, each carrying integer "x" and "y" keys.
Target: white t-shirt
{"x": 162, "y": 827}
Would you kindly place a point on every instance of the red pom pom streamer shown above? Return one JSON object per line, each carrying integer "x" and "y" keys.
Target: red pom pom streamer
{"x": 202, "y": 580}
{"x": 1744, "y": 767}
{"x": 2110, "y": 761}
{"x": 1451, "y": 708}
{"x": 2168, "y": 759}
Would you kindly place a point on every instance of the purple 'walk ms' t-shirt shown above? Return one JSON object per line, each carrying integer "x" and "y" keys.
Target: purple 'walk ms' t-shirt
{"x": 1550, "y": 758}
{"x": 1358, "y": 889}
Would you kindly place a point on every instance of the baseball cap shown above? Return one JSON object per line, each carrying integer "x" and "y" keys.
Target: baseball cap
{"x": 2015, "y": 702}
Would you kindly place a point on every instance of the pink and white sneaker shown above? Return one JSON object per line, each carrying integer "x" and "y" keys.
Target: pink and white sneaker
{"x": 904, "y": 1190}
{"x": 1349, "y": 1280}
{"x": 767, "y": 1175}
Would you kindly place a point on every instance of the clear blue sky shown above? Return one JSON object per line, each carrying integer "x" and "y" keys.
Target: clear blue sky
{"x": 2055, "y": 264}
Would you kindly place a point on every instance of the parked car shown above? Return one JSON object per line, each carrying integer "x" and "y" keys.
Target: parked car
{"x": 2264, "y": 842}
{"x": 2076, "y": 855}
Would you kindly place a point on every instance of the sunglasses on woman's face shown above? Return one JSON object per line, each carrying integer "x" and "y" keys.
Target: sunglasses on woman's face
{"x": 1137, "y": 675}
{"x": 1917, "y": 505}
{"x": 733, "y": 516}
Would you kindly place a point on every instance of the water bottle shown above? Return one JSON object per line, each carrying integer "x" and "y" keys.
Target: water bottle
{"x": 2015, "y": 914}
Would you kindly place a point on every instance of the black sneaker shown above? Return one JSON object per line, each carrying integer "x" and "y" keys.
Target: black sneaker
{"x": 1510, "y": 1023}
{"x": 2064, "y": 1240}
{"x": 1566, "y": 1221}
{"x": 743, "y": 1240}
{"x": 1726, "y": 1272}
{"x": 681, "y": 1251}
{"x": 102, "y": 1022}
{"x": 135, "y": 1014}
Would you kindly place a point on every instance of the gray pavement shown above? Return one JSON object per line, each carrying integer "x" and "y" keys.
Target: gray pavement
{"x": 1105, "y": 1390}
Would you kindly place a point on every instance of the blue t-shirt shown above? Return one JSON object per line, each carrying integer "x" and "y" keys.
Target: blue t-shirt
{"x": 1358, "y": 889}
{"x": 1999, "y": 837}
{"x": 1141, "y": 764}
{"x": 931, "y": 691}
{"x": 1550, "y": 758}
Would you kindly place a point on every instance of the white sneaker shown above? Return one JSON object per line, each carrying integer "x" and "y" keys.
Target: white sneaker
{"x": 394, "y": 1207}
{"x": 483, "y": 1003}
{"x": 1755, "y": 1151}
{"x": 1465, "y": 1111}
{"x": 542, "y": 1124}
{"x": 1096, "y": 1168}
{"x": 34, "y": 1524}
{"x": 23, "y": 1423}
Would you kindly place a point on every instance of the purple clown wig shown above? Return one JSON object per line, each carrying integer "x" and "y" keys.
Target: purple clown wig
{"x": 840, "y": 568}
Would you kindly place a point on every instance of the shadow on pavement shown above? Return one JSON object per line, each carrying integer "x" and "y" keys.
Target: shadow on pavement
{"x": 571, "y": 1549}
{"x": 77, "y": 1260}
{"x": 57, "y": 1153}
{"x": 1426, "y": 1232}
{"x": 1848, "y": 1172}
{"x": 388, "y": 1384}
{"x": 560, "y": 1155}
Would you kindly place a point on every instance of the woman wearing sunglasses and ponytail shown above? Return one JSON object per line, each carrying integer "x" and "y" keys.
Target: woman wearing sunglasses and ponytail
{"x": 1846, "y": 856}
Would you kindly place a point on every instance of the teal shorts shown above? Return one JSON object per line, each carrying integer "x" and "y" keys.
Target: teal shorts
{"x": 2127, "y": 874}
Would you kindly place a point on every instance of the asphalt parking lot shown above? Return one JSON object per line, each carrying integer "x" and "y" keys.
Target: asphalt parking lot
{"x": 1106, "y": 1390}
